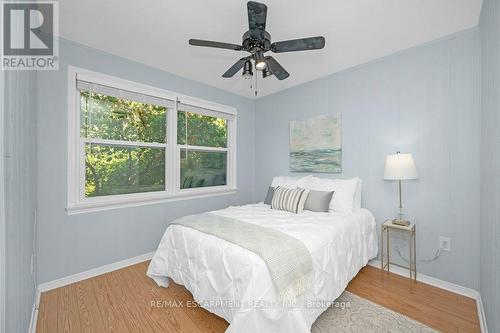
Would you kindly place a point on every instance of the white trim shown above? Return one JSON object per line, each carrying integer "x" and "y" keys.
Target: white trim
{"x": 2, "y": 204}
{"x": 455, "y": 288}
{"x": 121, "y": 143}
{"x": 231, "y": 156}
{"x": 226, "y": 114}
{"x": 185, "y": 192}
{"x": 452, "y": 287}
{"x": 73, "y": 182}
{"x": 200, "y": 103}
{"x": 43, "y": 287}
{"x": 34, "y": 311}
{"x": 481, "y": 314}
{"x": 98, "y": 206}
{"x": 203, "y": 148}
{"x": 97, "y": 88}
{"x": 76, "y": 200}
{"x": 119, "y": 83}
{"x": 172, "y": 154}
{"x": 112, "y": 81}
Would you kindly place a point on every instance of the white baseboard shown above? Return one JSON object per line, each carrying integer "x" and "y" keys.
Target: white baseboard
{"x": 79, "y": 277}
{"x": 481, "y": 314}
{"x": 135, "y": 260}
{"x": 34, "y": 311}
{"x": 454, "y": 288}
{"x": 93, "y": 272}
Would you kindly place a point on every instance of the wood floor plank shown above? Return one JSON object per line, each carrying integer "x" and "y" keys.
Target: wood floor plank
{"x": 206, "y": 321}
{"x": 138, "y": 304}
{"x": 110, "y": 310}
{"x": 169, "y": 318}
{"x": 180, "y": 293}
{"x": 435, "y": 307}
{"x": 48, "y": 312}
{"x": 203, "y": 319}
{"x": 68, "y": 315}
{"x": 133, "y": 318}
{"x": 436, "y": 297}
{"x": 90, "y": 316}
{"x": 125, "y": 301}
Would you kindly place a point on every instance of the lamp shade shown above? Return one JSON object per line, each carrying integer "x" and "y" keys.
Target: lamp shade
{"x": 400, "y": 167}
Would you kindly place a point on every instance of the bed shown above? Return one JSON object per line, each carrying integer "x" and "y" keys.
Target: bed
{"x": 235, "y": 284}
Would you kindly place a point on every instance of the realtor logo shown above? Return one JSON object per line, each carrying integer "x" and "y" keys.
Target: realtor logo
{"x": 28, "y": 31}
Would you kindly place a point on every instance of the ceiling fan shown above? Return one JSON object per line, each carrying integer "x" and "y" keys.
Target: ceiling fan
{"x": 257, "y": 41}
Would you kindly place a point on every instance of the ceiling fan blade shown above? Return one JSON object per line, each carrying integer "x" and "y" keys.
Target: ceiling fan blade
{"x": 302, "y": 44}
{"x": 276, "y": 68}
{"x": 219, "y": 45}
{"x": 235, "y": 68}
{"x": 257, "y": 13}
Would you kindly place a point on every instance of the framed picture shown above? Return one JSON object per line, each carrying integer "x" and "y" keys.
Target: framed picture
{"x": 316, "y": 144}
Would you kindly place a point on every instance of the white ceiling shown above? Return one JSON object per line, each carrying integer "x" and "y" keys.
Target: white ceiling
{"x": 156, "y": 33}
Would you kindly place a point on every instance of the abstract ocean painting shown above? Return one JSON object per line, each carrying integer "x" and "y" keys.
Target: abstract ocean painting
{"x": 316, "y": 144}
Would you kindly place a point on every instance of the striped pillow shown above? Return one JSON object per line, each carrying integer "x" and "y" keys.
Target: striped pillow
{"x": 289, "y": 199}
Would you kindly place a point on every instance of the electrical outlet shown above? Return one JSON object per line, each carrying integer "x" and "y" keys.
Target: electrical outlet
{"x": 445, "y": 243}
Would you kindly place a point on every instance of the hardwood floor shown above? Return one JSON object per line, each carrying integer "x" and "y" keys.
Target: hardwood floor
{"x": 128, "y": 301}
{"x": 440, "y": 309}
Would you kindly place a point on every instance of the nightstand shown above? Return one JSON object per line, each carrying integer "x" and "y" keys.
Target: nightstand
{"x": 387, "y": 226}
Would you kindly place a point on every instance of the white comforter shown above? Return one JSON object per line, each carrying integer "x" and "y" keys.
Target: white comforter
{"x": 235, "y": 283}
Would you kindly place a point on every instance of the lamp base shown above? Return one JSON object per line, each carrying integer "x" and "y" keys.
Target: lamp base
{"x": 404, "y": 223}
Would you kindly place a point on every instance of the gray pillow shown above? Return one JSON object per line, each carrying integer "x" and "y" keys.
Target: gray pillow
{"x": 318, "y": 201}
{"x": 269, "y": 196}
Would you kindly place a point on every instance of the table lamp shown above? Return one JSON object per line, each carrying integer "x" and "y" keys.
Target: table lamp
{"x": 400, "y": 167}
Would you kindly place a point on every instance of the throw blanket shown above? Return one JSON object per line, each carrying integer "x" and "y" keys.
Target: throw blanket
{"x": 286, "y": 257}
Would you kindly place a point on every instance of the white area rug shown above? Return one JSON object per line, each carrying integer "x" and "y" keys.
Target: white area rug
{"x": 352, "y": 314}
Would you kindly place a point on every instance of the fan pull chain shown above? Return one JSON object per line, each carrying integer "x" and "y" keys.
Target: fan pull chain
{"x": 251, "y": 84}
{"x": 256, "y": 82}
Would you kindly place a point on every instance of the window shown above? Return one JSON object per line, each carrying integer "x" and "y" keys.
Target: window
{"x": 124, "y": 142}
{"x": 133, "y": 144}
{"x": 203, "y": 149}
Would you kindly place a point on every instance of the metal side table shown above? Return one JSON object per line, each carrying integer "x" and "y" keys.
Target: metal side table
{"x": 386, "y": 262}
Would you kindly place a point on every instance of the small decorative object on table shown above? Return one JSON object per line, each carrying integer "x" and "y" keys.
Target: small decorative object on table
{"x": 400, "y": 167}
{"x": 386, "y": 227}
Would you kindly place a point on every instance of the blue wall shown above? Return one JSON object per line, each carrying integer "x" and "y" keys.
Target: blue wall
{"x": 72, "y": 244}
{"x": 20, "y": 197}
{"x": 426, "y": 101}
{"x": 490, "y": 163}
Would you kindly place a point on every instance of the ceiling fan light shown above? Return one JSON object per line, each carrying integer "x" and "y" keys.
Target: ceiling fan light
{"x": 247, "y": 70}
{"x": 266, "y": 72}
{"x": 260, "y": 63}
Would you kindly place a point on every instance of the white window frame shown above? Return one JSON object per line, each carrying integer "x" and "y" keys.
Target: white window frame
{"x": 76, "y": 200}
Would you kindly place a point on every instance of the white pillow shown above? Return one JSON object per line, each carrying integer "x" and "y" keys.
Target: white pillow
{"x": 290, "y": 182}
{"x": 343, "y": 200}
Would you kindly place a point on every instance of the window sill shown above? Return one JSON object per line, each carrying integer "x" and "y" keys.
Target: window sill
{"x": 102, "y": 205}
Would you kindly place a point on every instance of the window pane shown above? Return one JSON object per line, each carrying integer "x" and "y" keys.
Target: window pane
{"x": 112, "y": 118}
{"x": 198, "y": 130}
{"x": 119, "y": 170}
{"x": 202, "y": 168}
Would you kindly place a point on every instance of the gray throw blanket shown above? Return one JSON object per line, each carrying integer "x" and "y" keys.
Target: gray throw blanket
{"x": 286, "y": 257}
